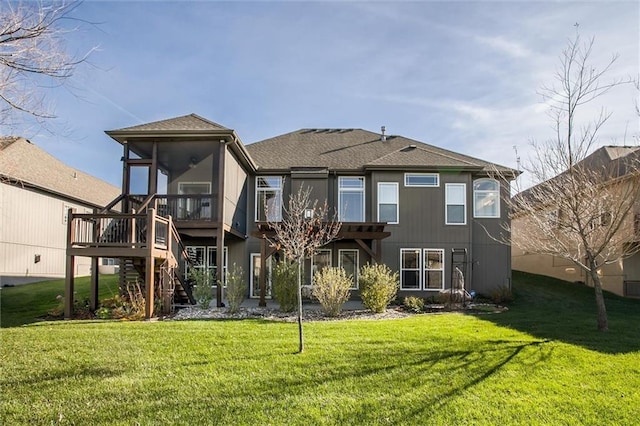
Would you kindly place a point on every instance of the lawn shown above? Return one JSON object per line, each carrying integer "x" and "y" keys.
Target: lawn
{"x": 25, "y": 304}
{"x": 539, "y": 363}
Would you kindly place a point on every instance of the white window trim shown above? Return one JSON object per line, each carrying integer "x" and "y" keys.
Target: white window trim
{"x": 484, "y": 191}
{"x": 181, "y": 184}
{"x": 257, "y": 190}
{"x": 397, "y": 201}
{"x": 364, "y": 195}
{"x": 207, "y": 250}
{"x": 252, "y": 282}
{"x": 418, "y": 268}
{"x": 437, "y": 176}
{"x": 356, "y": 280}
{"x": 446, "y": 204}
{"x": 314, "y": 257}
{"x": 425, "y": 270}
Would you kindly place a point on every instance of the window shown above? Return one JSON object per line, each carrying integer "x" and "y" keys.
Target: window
{"x": 421, "y": 269}
{"x": 410, "y": 269}
{"x": 455, "y": 197}
{"x": 204, "y": 258}
{"x": 110, "y": 261}
{"x": 486, "y": 198}
{"x": 433, "y": 269}
{"x": 351, "y": 199}
{"x": 348, "y": 260}
{"x": 319, "y": 261}
{"x": 193, "y": 204}
{"x": 268, "y": 199}
{"x": 254, "y": 292}
{"x": 388, "y": 202}
{"x": 421, "y": 179}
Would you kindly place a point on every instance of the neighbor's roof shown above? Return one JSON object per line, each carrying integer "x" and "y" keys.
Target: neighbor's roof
{"x": 357, "y": 149}
{"x": 613, "y": 161}
{"x": 25, "y": 163}
{"x": 186, "y": 123}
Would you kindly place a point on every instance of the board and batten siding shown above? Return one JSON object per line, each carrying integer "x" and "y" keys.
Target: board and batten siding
{"x": 34, "y": 224}
{"x": 235, "y": 193}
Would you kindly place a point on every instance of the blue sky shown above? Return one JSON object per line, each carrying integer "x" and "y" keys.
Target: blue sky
{"x": 460, "y": 75}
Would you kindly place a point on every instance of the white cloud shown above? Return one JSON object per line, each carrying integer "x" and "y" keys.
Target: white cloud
{"x": 508, "y": 47}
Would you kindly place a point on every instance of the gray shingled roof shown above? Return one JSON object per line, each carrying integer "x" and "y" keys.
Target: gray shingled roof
{"x": 23, "y": 162}
{"x": 355, "y": 149}
{"x": 191, "y": 122}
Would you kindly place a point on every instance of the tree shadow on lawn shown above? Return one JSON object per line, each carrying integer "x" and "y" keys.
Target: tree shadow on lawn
{"x": 358, "y": 383}
{"x": 558, "y": 310}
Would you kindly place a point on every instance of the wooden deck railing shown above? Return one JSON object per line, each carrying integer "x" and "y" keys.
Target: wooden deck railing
{"x": 120, "y": 230}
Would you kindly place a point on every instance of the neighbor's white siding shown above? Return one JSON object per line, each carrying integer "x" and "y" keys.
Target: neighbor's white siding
{"x": 31, "y": 224}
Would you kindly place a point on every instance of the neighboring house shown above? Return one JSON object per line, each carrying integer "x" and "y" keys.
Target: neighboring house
{"x": 36, "y": 190}
{"x": 623, "y": 277}
{"x": 422, "y": 210}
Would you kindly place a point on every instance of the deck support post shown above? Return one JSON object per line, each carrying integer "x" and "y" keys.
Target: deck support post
{"x": 69, "y": 287}
{"x": 149, "y": 267}
{"x": 93, "y": 293}
{"x": 148, "y": 286}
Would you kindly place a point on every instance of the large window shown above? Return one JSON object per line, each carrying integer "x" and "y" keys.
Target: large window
{"x": 421, "y": 179}
{"x": 486, "y": 198}
{"x": 268, "y": 199}
{"x": 388, "y": 202}
{"x": 351, "y": 199}
{"x": 455, "y": 199}
{"x": 421, "y": 269}
{"x": 433, "y": 269}
{"x": 348, "y": 260}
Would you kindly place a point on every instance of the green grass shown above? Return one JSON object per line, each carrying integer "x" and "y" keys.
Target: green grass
{"x": 28, "y": 303}
{"x": 518, "y": 367}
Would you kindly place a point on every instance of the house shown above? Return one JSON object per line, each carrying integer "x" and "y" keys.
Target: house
{"x": 621, "y": 277}
{"x": 422, "y": 210}
{"x": 36, "y": 190}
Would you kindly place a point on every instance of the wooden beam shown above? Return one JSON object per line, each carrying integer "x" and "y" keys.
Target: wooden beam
{"x": 366, "y": 248}
{"x": 93, "y": 292}
{"x": 222, "y": 153}
{"x": 69, "y": 287}
{"x": 153, "y": 169}
{"x": 219, "y": 266}
{"x": 126, "y": 177}
{"x": 149, "y": 270}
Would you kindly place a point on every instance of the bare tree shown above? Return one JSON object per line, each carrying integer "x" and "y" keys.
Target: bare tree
{"x": 304, "y": 228}
{"x": 582, "y": 208}
{"x": 33, "y": 56}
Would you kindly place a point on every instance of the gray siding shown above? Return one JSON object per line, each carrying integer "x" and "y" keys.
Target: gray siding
{"x": 34, "y": 223}
{"x": 235, "y": 194}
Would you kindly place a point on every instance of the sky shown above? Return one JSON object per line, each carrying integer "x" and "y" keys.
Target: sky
{"x": 461, "y": 75}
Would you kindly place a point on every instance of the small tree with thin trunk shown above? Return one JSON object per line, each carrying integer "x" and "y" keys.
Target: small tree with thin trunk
{"x": 304, "y": 228}
{"x": 582, "y": 209}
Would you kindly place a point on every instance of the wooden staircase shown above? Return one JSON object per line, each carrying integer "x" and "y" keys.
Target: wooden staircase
{"x": 141, "y": 240}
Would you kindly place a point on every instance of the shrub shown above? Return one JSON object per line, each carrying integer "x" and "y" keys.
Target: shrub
{"x": 501, "y": 294}
{"x": 236, "y": 288}
{"x": 331, "y": 288}
{"x": 103, "y": 313}
{"x": 202, "y": 288}
{"x": 285, "y": 285}
{"x": 413, "y": 304}
{"x": 379, "y": 286}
